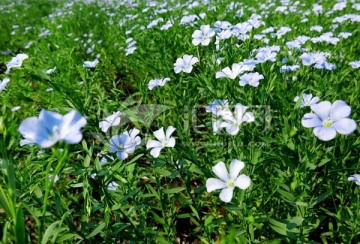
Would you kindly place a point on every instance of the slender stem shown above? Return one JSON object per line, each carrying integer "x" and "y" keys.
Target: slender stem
{"x": 49, "y": 184}
{"x": 47, "y": 191}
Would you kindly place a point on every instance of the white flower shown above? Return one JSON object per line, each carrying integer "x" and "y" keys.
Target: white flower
{"x": 164, "y": 140}
{"x": 185, "y": 63}
{"x": 16, "y": 62}
{"x": 50, "y": 71}
{"x": 56, "y": 178}
{"x": 91, "y": 64}
{"x": 232, "y": 123}
{"x": 4, "y": 83}
{"x": 203, "y": 35}
{"x": 356, "y": 178}
{"x": 228, "y": 181}
{"x": 112, "y": 120}
{"x": 130, "y": 50}
{"x": 157, "y": 82}
{"x": 15, "y": 108}
{"x": 236, "y": 69}
{"x": 125, "y": 143}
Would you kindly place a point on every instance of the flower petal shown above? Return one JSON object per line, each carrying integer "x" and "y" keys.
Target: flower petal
{"x": 74, "y": 137}
{"x": 239, "y": 112}
{"x": 155, "y": 152}
{"x": 311, "y": 120}
{"x": 159, "y": 134}
{"x": 243, "y": 182}
{"x": 325, "y": 134}
{"x": 194, "y": 60}
{"x": 220, "y": 171}
{"x": 235, "y": 167}
{"x": 213, "y": 184}
{"x": 171, "y": 142}
{"x": 248, "y": 117}
{"x": 232, "y": 129}
{"x": 322, "y": 109}
{"x": 122, "y": 155}
{"x": 104, "y": 126}
{"x": 153, "y": 143}
{"x": 187, "y": 58}
{"x": 133, "y": 132}
{"x": 345, "y": 126}
{"x": 70, "y": 127}
{"x": 29, "y": 127}
{"x": 339, "y": 110}
{"x": 226, "y": 194}
{"x": 169, "y": 131}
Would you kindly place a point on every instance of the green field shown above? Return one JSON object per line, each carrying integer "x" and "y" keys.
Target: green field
{"x": 132, "y": 121}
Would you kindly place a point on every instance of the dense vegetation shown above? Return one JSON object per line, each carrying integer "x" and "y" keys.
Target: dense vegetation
{"x": 116, "y": 115}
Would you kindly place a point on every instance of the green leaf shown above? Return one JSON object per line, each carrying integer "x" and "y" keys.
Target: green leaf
{"x": 77, "y": 185}
{"x": 132, "y": 193}
{"x": 66, "y": 237}
{"x": 185, "y": 215}
{"x": 20, "y": 226}
{"x": 49, "y": 232}
{"x": 287, "y": 195}
{"x": 163, "y": 172}
{"x": 148, "y": 186}
{"x": 6, "y": 204}
{"x": 135, "y": 158}
{"x": 97, "y": 230}
{"x": 174, "y": 190}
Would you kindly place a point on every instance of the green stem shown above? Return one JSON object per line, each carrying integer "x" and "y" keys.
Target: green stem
{"x": 49, "y": 184}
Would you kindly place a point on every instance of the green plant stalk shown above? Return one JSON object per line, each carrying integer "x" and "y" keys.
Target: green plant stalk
{"x": 48, "y": 185}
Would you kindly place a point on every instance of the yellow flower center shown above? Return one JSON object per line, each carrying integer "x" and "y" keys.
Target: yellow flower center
{"x": 230, "y": 184}
{"x": 327, "y": 123}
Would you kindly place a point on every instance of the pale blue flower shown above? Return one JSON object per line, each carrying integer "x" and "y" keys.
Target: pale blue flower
{"x": 203, "y": 36}
{"x": 251, "y": 79}
{"x": 112, "y": 186}
{"x": 51, "y": 127}
{"x": 218, "y": 107}
{"x": 185, "y": 64}
{"x": 307, "y": 100}
{"x": 16, "y": 62}
{"x": 4, "y": 83}
{"x": 328, "y": 119}
{"x": 266, "y": 55}
{"x": 289, "y": 68}
{"x": 356, "y": 178}
{"x": 157, "y": 82}
{"x": 112, "y": 120}
{"x": 355, "y": 64}
{"x": 91, "y": 64}
{"x": 125, "y": 143}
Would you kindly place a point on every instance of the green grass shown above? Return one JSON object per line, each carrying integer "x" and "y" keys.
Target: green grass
{"x": 299, "y": 190}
